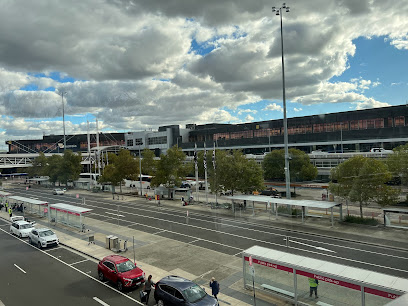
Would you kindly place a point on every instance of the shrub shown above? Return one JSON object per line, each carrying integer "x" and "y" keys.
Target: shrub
{"x": 359, "y": 220}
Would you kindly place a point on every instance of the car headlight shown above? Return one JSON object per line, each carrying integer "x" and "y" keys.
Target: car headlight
{"x": 127, "y": 280}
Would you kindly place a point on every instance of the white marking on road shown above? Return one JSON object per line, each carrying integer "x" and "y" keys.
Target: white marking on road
{"x": 20, "y": 269}
{"x": 238, "y": 253}
{"x": 312, "y": 246}
{"x": 100, "y": 301}
{"x": 114, "y": 214}
{"x": 198, "y": 239}
{"x": 79, "y": 262}
{"x": 159, "y": 232}
{"x": 208, "y": 272}
{"x": 72, "y": 267}
{"x": 49, "y": 250}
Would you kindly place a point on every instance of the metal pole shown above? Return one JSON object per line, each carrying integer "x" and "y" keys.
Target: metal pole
{"x": 63, "y": 117}
{"x": 118, "y": 214}
{"x": 253, "y": 288}
{"x": 134, "y": 257}
{"x": 285, "y": 119}
{"x": 140, "y": 172}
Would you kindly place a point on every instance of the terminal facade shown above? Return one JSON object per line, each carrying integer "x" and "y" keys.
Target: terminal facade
{"x": 352, "y": 131}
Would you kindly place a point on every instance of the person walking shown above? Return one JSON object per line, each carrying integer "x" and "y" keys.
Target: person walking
{"x": 313, "y": 283}
{"x": 215, "y": 287}
{"x": 148, "y": 287}
{"x": 10, "y": 212}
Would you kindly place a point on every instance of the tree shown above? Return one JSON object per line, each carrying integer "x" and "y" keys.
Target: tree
{"x": 53, "y": 167}
{"x": 121, "y": 167}
{"x": 361, "y": 179}
{"x": 299, "y": 165}
{"x": 170, "y": 168}
{"x": 39, "y": 166}
{"x": 70, "y": 167}
{"x": 148, "y": 162}
{"x": 398, "y": 163}
{"x": 234, "y": 172}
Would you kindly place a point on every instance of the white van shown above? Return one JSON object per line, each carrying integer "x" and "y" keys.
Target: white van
{"x": 21, "y": 228}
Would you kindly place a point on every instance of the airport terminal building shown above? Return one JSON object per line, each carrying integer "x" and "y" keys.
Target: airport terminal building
{"x": 352, "y": 131}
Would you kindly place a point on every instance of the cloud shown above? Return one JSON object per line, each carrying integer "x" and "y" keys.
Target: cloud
{"x": 370, "y": 103}
{"x": 241, "y": 111}
{"x": 249, "y": 118}
{"x": 273, "y": 107}
{"x": 297, "y": 109}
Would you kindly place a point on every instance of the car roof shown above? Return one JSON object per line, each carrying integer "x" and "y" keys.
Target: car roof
{"x": 177, "y": 282}
{"x": 116, "y": 258}
{"x": 21, "y": 222}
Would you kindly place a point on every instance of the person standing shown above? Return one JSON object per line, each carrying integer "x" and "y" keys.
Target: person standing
{"x": 6, "y": 207}
{"x": 10, "y": 212}
{"x": 215, "y": 287}
{"x": 148, "y": 287}
{"x": 313, "y": 283}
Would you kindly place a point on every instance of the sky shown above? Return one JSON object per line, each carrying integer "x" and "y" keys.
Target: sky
{"x": 137, "y": 65}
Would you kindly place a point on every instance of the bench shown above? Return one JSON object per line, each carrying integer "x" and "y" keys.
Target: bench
{"x": 278, "y": 290}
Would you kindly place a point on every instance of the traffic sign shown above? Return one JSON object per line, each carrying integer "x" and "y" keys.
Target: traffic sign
{"x": 77, "y": 196}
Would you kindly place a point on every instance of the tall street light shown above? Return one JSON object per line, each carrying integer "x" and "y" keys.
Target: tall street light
{"x": 62, "y": 93}
{"x": 279, "y": 12}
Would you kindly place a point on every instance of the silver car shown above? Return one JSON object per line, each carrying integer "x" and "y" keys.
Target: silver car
{"x": 43, "y": 237}
{"x": 21, "y": 228}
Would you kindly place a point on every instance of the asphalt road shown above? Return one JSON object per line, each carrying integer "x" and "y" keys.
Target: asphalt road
{"x": 54, "y": 276}
{"x": 233, "y": 235}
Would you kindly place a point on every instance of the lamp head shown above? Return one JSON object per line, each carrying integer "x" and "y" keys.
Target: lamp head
{"x": 273, "y": 8}
{"x": 284, "y": 5}
{"x": 287, "y": 9}
{"x": 277, "y": 13}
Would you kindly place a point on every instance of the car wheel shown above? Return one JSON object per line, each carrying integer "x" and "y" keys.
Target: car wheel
{"x": 101, "y": 277}
{"x": 120, "y": 286}
{"x": 160, "y": 303}
{"x": 39, "y": 245}
{"x": 29, "y": 240}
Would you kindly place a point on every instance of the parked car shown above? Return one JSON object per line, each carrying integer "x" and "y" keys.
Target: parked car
{"x": 121, "y": 271}
{"x": 21, "y": 228}
{"x": 43, "y": 237}
{"x": 176, "y": 290}
{"x": 58, "y": 191}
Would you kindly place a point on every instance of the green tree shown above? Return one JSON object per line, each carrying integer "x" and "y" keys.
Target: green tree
{"x": 361, "y": 179}
{"x": 39, "y": 166}
{"x": 53, "y": 167}
{"x": 170, "y": 168}
{"x": 121, "y": 167}
{"x": 299, "y": 166}
{"x": 148, "y": 162}
{"x": 234, "y": 172}
{"x": 70, "y": 167}
{"x": 398, "y": 163}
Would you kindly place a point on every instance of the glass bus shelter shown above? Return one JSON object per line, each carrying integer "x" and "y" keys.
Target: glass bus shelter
{"x": 287, "y": 275}
{"x": 67, "y": 214}
{"x": 3, "y": 196}
{"x": 31, "y": 206}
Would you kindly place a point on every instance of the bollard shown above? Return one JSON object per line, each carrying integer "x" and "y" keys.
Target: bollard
{"x": 372, "y": 215}
{"x": 400, "y": 219}
{"x": 187, "y": 213}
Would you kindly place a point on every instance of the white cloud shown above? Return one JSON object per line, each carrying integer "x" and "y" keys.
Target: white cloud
{"x": 242, "y": 111}
{"x": 297, "y": 109}
{"x": 249, "y": 118}
{"x": 273, "y": 107}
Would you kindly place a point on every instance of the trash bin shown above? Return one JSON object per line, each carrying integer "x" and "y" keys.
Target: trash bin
{"x": 108, "y": 241}
{"x": 114, "y": 243}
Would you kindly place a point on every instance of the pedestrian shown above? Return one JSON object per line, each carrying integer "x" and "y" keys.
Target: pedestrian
{"x": 6, "y": 207}
{"x": 10, "y": 212}
{"x": 215, "y": 287}
{"x": 148, "y": 287}
{"x": 313, "y": 283}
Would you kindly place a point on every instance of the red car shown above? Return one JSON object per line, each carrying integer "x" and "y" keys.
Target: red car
{"x": 120, "y": 271}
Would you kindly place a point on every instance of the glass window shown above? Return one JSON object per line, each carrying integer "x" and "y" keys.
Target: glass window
{"x": 178, "y": 295}
{"x": 138, "y": 141}
{"x": 194, "y": 293}
{"x": 167, "y": 289}
{"x": 157, "y": 140}
{"x": 125, "y": 266}
{"x": 318, "y": 128}
{"x": 370, "y": 123}
{"x": 46, "y": 233}
{"x": 379, "y": 123}
{"x": 399, "y": 121}
{"x": 130, "y": 142}
{"x": 354, "y": 125}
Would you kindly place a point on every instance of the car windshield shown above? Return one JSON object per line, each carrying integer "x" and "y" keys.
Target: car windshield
{"x": 125, "y": 266}
{"x": 46, "y": 233}
{"x": 194, "y": 293}
{"x": 26, "y": 226}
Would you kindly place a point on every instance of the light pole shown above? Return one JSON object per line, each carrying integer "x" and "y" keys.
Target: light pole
{"x": 140, "y": 171}
{"x": 62, "y": 93}
{"x": 278, "y": 12}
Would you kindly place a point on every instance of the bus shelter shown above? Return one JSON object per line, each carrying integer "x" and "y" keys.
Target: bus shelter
{"x": 67, "y": 214}
{"x": 287, "y": 275}
{"x": 3, "y": 196}
{"x": 396, "y": 211}
{"x": 272, "y": 204}
{"x": 31, "y": 206}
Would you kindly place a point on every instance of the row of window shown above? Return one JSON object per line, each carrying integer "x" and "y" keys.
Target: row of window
{"x": 157, "y": 140}
{"x": 377, "y": 123}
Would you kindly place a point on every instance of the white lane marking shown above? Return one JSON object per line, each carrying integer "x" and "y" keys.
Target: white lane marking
{"x": 114, "y": 214}
{"x": 159, "y": 232}
{"x": 20, "y": 269}
{"x": 79, "y": 262}
{"x": 72, "y": 267}
{"x": 140, "y": 207}
{"x": 100, "y": 301}
{"x": 238, "y": 253}
{"x": 312, "y": 246}
{"x": 49, "y": 250}
{"x": 198, "y": 239}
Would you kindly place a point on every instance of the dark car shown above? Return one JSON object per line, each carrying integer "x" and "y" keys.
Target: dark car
{"x": 121, "y": 271}
{"x": 176, "y": 290}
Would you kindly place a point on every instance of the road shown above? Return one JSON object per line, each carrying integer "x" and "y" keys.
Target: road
{"x": 233, "y": 235}
{"x": 54, "y": 276}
